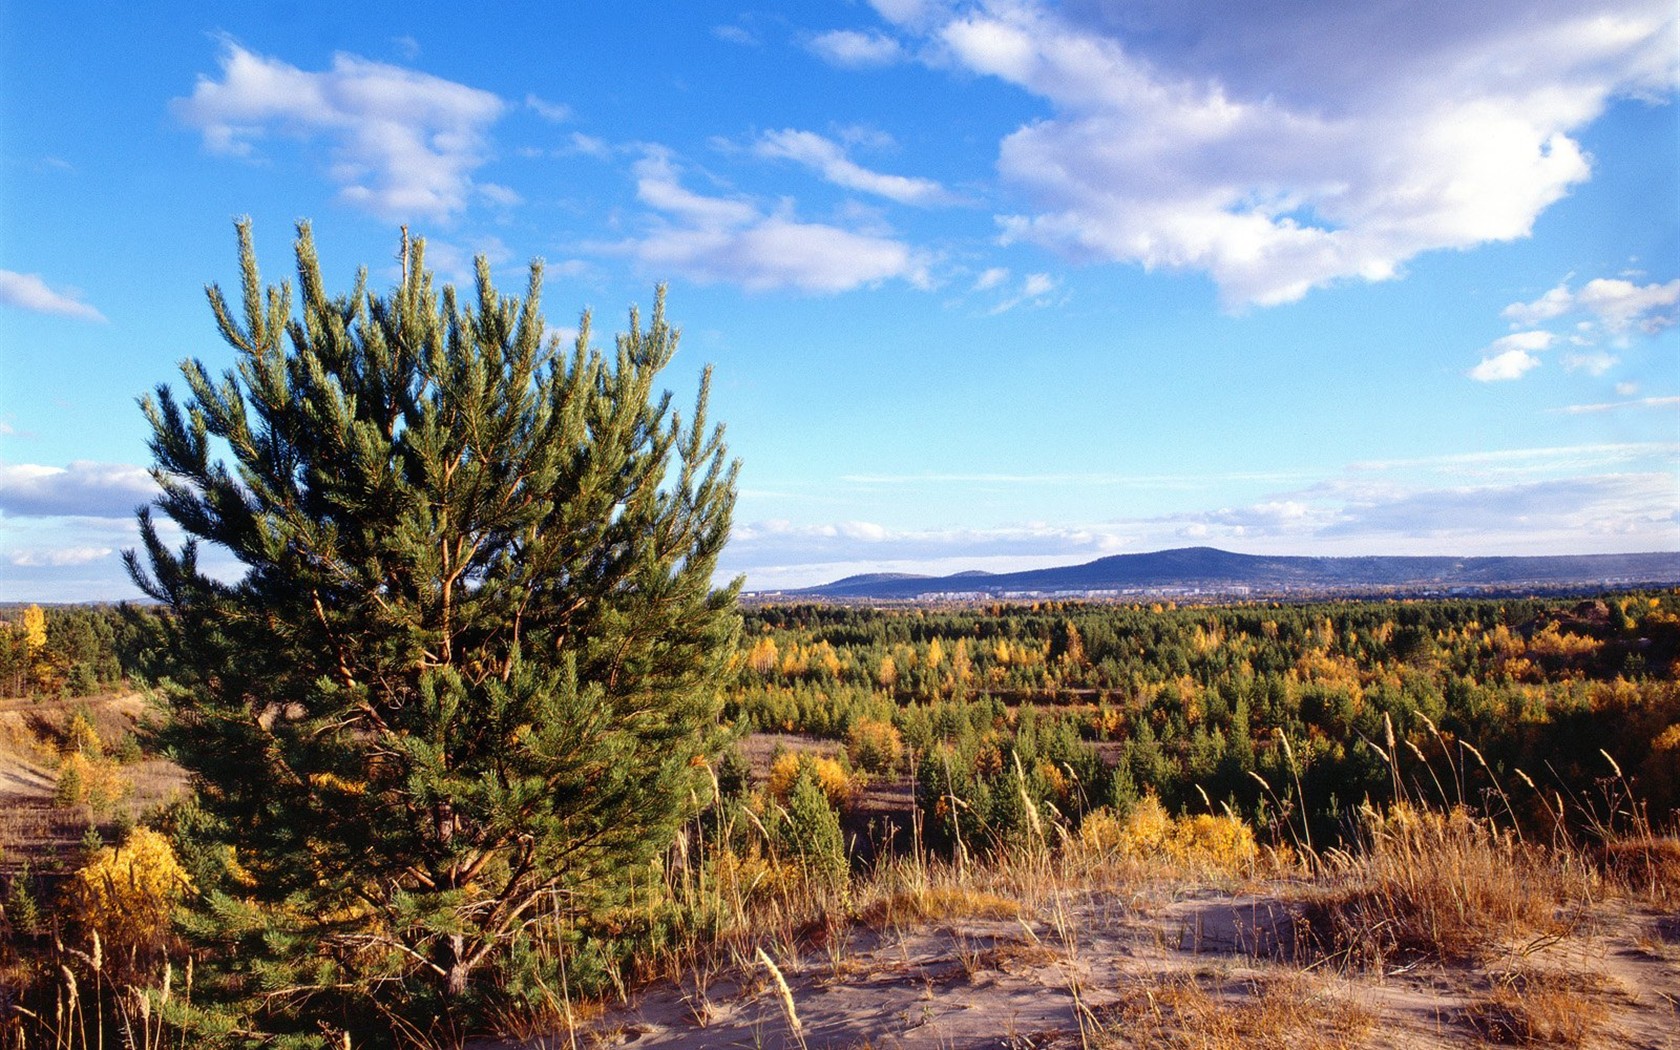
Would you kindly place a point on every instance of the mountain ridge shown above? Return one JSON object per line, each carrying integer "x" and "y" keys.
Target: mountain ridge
{"x": 1215, "y": 572}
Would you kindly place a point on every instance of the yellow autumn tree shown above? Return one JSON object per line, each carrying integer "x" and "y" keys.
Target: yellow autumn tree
{"x": 125, "y": 894}
{"x": 763, "y": 657}
{"x": 34, "y": 629}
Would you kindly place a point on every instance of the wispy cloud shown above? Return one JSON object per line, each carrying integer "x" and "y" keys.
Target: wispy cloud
{"x": 404, "y": 144}
{"x": 1210, "y": 139}
{"x": 84, "y": 488}
{"x": 829, "y": 159}
{"x": 28, "y": 291}
{"x": 734, "y": 239}
{"x": 735, "y": 34}
{"x": 553, "y": 112}
{"x": 1035, "y": 290}
{"x": 851, "y": 49}
{"x": 1617, "y": 406}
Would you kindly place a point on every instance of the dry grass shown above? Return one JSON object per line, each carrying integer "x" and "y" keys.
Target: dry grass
{"x": 896, "y": 908}
{"x": 1530, "y": 1007}
{"x": 1183, "y": 1013}
{"x": 1647, "y": 866}
{"x": 1446, "y": 886}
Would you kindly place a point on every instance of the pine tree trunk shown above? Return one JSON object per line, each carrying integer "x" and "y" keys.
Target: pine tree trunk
{"x": 455, "y": 967}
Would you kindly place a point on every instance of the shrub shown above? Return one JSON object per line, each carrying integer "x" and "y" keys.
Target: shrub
{"x": 875, "y": 745}
{"x": 1203, "y": 841}
{"x": 125, "y": 894}
{"x": 811, "y": 831}
{"x": 837, "y": 783}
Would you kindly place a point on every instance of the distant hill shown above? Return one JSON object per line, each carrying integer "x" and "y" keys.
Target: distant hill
{"x": 1209, "y": 572}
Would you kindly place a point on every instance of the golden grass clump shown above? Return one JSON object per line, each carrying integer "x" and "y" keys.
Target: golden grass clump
{"x": 1182, "y": 1014}
{"x": 1205, "y": 842}
{"x": 916, "y": 904}
{"x": 1530, "y": 1007}
{"x": 1449, "y": 886}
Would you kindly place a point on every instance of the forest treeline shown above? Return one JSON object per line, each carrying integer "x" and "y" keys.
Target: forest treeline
{"x": 66, "y": 650}
{"x": 1279, "y": 712}
{"x": 1290, "y": 716}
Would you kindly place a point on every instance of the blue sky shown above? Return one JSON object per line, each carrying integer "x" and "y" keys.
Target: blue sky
{"x": 986, "y": 285}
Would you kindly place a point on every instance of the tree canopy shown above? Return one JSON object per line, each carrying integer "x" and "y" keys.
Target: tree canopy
{"x": 469, "y": 666}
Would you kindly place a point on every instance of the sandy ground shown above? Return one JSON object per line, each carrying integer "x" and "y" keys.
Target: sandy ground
{"x": 33, "y": 830}
{"x": 1116, "y": 969}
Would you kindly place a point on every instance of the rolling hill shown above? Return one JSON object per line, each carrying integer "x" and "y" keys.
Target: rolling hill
{"x": 1207, "y": 571}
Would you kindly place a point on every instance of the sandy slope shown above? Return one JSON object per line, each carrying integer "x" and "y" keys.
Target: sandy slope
{"x": 1150, "y": 966}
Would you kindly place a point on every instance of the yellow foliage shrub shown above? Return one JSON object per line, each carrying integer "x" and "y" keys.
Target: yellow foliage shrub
{"x": 126, "y": 894}
{"x": 85, "y": 781}
{"x": 836, "y": 781}
{"x": 874, "y": 744}
{"x": 1205, "y": 841}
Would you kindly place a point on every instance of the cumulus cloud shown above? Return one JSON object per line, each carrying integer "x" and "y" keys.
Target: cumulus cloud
{"x": 404, "y": 144}
{"x": 84, "y": 488}
{"x": 828, "y": 158}
{"x": 1611, "y": 304}
{"x": 1512, "y": 364}
{"x": 991, "y": 278}
{"x": 1511, "y": 356}
{"x": 853, "y": 50}
{"x": 734, "y": 239}
{"x": 1279, "y": 148}
{"x": 27, "y": 291}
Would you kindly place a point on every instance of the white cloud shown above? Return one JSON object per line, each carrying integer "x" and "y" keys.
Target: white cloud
{"x": 590, "y": 146}
{"x": 1620, "y": 305}
{"x": 502, "y": 196}
{"x": 733, "y": 239}
{"x": 1554, "y": 303}
{"x": 1035, "y": 289}
{"x": 1279, "y": 148}
{"x": 827, "y": 157}
{"x": 27, "y": 291}
{"x": 1512, "y": 364}
{"x": 553, "y": 112}
{"x": 1612, "y": 304}
{"x": 853, "y": 50}
{"x": 1612, "y": 406}
{"x": 84, "y": 488}
{"x": 991, "y": 278}
{"x": 1509, "y": 357}
{"x": 1533, "y": 340}
{"x": 404, "y": 144}
{"x": 1595, "y": 363}
{"x": 59, "y": 557}
{"x": 735, "y": 35}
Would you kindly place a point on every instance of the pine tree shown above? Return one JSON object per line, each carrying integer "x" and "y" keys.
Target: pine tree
{"x": 470, "y": 672}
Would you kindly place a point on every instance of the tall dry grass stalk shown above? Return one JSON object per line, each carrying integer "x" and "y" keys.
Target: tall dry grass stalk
{"x": 1443, "y": 885}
